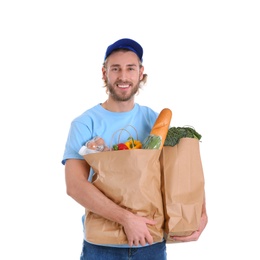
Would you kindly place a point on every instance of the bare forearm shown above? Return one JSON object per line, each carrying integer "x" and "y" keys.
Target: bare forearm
{"x": 94, "y": 200}
{"x": 87, "y": 195}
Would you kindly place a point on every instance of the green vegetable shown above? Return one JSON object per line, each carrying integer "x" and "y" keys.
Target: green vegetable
{"x": 152, "y": 142}
{"x": 176, "y": 133}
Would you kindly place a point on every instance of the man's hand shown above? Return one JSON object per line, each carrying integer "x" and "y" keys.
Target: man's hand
{"x": 137, "y": 231}
{"x": 196, "y": 234}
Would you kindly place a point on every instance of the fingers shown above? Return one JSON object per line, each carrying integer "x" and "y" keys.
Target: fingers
{"x": 149, "y": 239}
{"x": 196, "y": 234}
{"x": 141, "y": 241}
{"x": 150, "y": 222}
{"x": 137, "y": 231}
{"x": 193, "y": 237}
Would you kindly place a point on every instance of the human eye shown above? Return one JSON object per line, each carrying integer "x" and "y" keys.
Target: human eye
{"x": 131, "y": 68}
{"x": 115, "y": 69}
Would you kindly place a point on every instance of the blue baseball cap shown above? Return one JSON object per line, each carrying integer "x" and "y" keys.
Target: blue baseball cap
{"x": 128, "y": 44}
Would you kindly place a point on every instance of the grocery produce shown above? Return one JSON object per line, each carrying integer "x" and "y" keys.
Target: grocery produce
{"x": 176, "y": 133}
{"x": 159, "y": 131}
{"x": 152, "y": 142}
{"x": 120, "y": 146}
{"x": 130, "y": 143}
{"x": 133, "y": 144}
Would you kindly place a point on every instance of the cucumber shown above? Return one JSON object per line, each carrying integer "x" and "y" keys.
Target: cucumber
{"x": 152, "y": 142}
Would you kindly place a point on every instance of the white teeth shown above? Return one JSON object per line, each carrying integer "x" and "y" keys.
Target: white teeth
{"x": 123, "y": 86}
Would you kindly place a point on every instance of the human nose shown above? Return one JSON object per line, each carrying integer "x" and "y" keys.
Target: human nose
{"x": 122, "y": 75}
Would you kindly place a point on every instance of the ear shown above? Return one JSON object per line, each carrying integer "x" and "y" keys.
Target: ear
{"x": 104, "y": 73}
{"x": 141, "y": 74}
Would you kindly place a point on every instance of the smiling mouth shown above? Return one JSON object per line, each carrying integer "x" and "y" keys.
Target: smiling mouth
{"x": 123, "y": 85}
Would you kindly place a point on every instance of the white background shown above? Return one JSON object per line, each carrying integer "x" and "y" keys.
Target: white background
{"x": 203, "y": 62}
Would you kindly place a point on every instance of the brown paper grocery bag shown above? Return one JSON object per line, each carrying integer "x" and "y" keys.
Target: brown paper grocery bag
{"x": 132, "y": 179}
{"x": 182, "y": 187}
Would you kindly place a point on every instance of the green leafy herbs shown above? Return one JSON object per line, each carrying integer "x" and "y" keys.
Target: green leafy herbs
{"x": 176, "y": 133}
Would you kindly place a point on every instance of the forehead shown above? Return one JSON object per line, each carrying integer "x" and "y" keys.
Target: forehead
{"x": 122, "y": 58}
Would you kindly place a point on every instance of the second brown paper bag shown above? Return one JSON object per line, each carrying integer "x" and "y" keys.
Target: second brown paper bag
{"x": 182, "y": 187}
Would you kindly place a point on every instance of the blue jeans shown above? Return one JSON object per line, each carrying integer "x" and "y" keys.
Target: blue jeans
{"x": 95, "y": 252}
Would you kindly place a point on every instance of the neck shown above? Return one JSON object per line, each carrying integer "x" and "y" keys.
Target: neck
{"x": 118, "y": 106}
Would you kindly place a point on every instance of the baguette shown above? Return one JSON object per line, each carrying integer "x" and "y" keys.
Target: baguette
{"x": 162, "y": 124}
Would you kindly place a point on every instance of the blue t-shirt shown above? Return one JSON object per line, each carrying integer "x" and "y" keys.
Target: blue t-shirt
{"x": 98, "y": 121}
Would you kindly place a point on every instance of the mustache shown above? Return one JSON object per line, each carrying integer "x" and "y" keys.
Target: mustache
{"x": 120, "y": 82}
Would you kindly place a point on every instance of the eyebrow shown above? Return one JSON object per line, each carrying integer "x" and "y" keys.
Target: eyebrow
{"x": 128, "y": 65}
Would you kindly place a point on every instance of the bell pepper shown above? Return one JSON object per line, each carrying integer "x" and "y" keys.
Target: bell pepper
{"x": 133, "y": 144}
{"x": 120, "y": 146}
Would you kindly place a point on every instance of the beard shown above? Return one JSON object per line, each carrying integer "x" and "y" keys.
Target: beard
{"x": 122, "y": 96}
